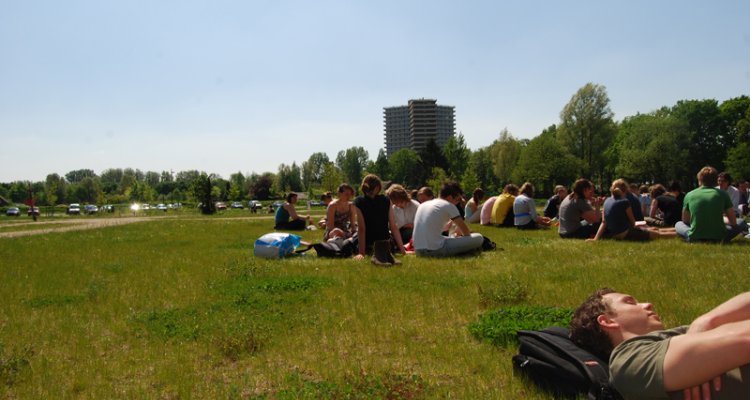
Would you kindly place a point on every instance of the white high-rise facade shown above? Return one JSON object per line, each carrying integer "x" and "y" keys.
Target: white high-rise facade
{"x": 412, "y": 126}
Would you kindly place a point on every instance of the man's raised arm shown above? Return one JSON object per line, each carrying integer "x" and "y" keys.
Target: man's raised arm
{"x": 715, "y": 343}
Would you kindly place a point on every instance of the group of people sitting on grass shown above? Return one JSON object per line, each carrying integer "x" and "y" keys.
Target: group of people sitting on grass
{"x": 432, "y": 226}
{"x": 429, "y": 226}
{"x": 712, "y": 212}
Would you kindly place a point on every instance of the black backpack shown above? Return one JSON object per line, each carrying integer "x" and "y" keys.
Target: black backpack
{"x": 334, "y": 249}
{"x": 551, "y": 360}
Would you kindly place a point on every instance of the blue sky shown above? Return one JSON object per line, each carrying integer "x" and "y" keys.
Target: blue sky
{"x": 228, "y": 86}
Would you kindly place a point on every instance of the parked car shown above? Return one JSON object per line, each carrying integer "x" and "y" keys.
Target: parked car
{"x": 13, "y": 212}
{"x": 237, "y": 204}
{"x": 255, "y": 203}
{"x": 33, "y": 211}
{"x": 162, "y": 207}
{"x": 221, "y": 206}
{"x": 90, "y": 209}
{"x": 108, "y": 208}
{"x": 73, "y": 208}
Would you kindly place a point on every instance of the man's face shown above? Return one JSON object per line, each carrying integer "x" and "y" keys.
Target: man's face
{"x": 453, "y": 199}
{"x": 723, "y": 184}
{"x": 632, "y": 316}
{"x": 400, "y": 203}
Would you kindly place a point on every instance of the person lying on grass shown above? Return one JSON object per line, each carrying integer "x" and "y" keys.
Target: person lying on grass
{"x": 709, "y": 359}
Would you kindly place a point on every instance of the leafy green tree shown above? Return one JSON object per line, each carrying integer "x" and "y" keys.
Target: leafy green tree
{"x": 546, "y": 163}
{"x": 481, "y": 164}
{"x": 313, "y": 168}
{"x": 332, "y": 178}
{"x": 653, "y": 148}
{"x": 288, "y": 179}
{"x": 457, "y": 155}
{"x": 184, "y": 179}
{"x": 737, "y": 157}
{"x": 19, "y": 191}
{"x": 381, "y": 166}
{"x": 78, "y": 175}
{"x": 110, "y": 179}
{"x": 203, "y": 193}
{"x": 127, "y": 181}
{"x": 405, "y": 168}
{"x": 431, "y": 157}
{"x": 261, "y": 188}
{"x": 470, "y": 181}
{"x": 732, "y": 112}
{"x": 352, "y": 162}
{"x": 436, "y": 179}
{"x": 295, "y": 178}
{"x": 236, "y": 185}
{"x": 55, "y": 189}
{"x": 709, "y": 137}
{"x": 505, "y": 152}
{"x": 202, "y": 189}
{"x": 152, "y": 178}
{"x": 587, "y": 128}
{"x": 88, "y": 190}
{"x": 166, "y": 176}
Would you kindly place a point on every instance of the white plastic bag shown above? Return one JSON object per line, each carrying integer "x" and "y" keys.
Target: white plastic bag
{"x": 276, "y": 245}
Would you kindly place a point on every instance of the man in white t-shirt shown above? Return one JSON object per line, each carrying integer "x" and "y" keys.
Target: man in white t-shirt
{"x": 431, "y": 219}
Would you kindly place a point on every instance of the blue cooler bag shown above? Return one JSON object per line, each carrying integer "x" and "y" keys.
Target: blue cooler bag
{"x": 276, "y": 245}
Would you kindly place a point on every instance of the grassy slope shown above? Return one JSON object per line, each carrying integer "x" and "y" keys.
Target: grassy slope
{"x": 180, "y": 308}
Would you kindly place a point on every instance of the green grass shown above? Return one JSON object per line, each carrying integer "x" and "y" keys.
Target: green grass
{"x": 180, "y": 308}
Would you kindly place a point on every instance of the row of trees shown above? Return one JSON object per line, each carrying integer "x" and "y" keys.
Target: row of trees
{"x": 671, "y": 143}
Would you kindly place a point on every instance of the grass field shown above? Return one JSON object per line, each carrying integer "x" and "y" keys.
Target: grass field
{"x": 180, "y": 308}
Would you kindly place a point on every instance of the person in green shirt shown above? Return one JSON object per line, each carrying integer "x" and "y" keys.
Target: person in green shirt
{"x": 703, "y": 212}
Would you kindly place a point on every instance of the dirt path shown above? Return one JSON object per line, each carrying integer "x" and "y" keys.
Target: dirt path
{"x": 91, "y": 223}
{"x": 72, "y": 225}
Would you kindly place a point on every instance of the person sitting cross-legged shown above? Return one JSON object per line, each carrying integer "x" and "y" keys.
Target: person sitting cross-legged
{"x": 578, "y": 218}
{"x": 703, "y": 212}
{"x": 431, "y": 219}
{"x": 710, "y": 358}
{"x": 524, "y": 209}
{"x": 287, "y": 217}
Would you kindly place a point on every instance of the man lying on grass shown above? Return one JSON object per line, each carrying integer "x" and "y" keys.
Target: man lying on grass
{"x": 706, "y": 360}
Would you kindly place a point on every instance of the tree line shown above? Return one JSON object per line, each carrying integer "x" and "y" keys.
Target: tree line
{"x": 669, "y": 144}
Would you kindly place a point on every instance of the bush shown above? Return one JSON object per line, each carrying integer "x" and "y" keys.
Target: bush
{"x": 500, "y": 326}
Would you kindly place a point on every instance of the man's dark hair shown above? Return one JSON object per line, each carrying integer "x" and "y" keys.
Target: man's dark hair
{"x": 726, "y": 177}
{"x": 578, "y": 187}
{"x": 450, "y": 189}
{"x": 584, "y": 327}
{"x": 674, "y": 186}
{"x": 511, "y": 189}
{"x": 657, "y": 190}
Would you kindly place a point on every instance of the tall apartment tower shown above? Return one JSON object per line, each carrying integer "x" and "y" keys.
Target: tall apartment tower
{"x": 412, "y": 126}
